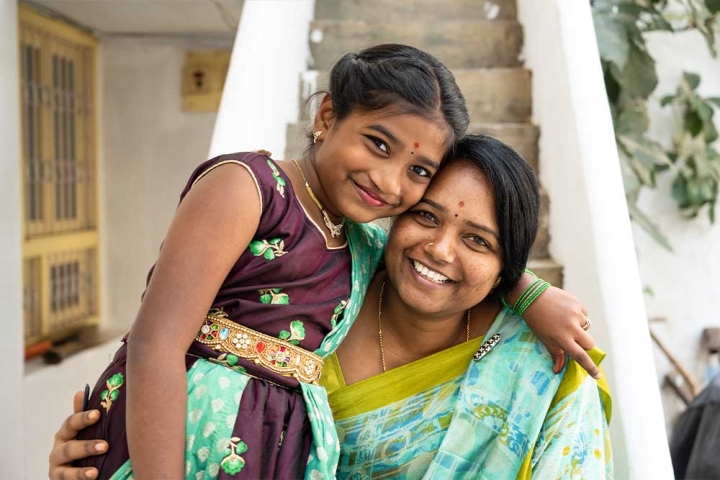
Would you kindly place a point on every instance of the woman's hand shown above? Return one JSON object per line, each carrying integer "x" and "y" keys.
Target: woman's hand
{"x": 66, "y": 448}
{"x": 556, "y": 317}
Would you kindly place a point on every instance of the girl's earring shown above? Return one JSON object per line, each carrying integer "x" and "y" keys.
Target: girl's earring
{"x": 497, "y": 282}
{"x": 316, "y": 135}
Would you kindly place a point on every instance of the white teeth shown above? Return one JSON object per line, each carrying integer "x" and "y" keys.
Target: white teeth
{"x": 429, "y": 274}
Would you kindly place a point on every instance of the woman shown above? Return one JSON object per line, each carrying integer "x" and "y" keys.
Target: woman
{"x": 436, "y": 379}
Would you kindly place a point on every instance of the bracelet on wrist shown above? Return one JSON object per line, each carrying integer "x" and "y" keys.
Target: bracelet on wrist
{"x": 528, "y": 296}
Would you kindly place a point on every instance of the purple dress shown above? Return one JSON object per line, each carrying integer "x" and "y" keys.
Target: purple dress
{"x": 288, "y": 284}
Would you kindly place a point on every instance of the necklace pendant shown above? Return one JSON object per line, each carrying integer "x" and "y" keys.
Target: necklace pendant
{"x": 335, "y": 230}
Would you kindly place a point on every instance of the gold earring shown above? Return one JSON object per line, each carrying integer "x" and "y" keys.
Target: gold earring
{"x": 316, "y": 135}
{"x": 497, "y": 282}
{"x": 431, "y": 244}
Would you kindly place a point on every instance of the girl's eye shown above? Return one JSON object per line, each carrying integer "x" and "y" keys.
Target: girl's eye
{"x": 379, "y": 144}
{"x": 420, "y": 171}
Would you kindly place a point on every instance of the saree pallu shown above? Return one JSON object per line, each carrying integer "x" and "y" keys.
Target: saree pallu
{"x": 224, "y": 398}
{"x": 448, "y": 416}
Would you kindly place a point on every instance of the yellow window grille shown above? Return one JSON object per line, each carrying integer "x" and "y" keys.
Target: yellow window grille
{"x": 59, "y": 165}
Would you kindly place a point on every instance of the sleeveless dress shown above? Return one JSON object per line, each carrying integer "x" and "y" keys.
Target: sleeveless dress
{"x": 243, "y": 420}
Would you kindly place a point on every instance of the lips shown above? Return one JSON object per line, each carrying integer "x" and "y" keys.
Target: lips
{"x": 370, "y": 197}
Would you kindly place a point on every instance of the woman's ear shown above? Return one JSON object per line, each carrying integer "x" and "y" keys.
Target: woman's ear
{"x": 324, "y": 118}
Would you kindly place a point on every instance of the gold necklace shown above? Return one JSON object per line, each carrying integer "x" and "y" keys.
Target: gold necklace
{"x": 335, "y": 230}
{"x": 382, "y": 351}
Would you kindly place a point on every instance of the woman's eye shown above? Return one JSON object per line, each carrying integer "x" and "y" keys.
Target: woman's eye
{"x": 420, "y": 171}
{"x": 379, "y": 144}
{"x": 479, "y": 241}
{"x": 425, "y": 215}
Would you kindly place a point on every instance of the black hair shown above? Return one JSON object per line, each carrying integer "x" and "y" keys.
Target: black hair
{"x": 401, "y": 77}
{"x": 517, "y": 199}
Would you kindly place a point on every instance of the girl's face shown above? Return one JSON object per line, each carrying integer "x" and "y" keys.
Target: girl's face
{"x": 376, "y": 164}
{"x": 444, "y": 255}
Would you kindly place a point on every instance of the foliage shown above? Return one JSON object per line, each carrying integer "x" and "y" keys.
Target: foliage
{"x": 631, "y": 78}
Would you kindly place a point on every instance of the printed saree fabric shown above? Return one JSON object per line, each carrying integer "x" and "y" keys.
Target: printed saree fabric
{"x": 447, "y": 416}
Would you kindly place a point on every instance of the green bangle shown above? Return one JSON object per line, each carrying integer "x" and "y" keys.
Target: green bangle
{"x": 530, "y": 272}
{"x": 530, "y": 295}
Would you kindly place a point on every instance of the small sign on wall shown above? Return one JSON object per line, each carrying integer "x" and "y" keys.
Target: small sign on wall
{"x": 203, "y": 79}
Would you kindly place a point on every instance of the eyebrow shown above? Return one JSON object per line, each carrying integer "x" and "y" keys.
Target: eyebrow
{"x": 397, "y": 141}
{"x": 472, "y": 224}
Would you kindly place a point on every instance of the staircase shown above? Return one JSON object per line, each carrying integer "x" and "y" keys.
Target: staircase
{"x": 479, "y": 40}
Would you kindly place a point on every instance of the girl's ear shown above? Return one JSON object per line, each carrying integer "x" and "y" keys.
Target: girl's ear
{"x": 324, "y": 118}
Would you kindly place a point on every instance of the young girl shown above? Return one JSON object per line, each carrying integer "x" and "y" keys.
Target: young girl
{"x": 260, "y": 276}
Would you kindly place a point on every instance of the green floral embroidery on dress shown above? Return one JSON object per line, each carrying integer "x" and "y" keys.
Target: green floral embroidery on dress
{"x": 272, "y": 296}
{"x": 296, "y": 333}
{"x": 111, "y": 394}
{"x": 233, "y": 462}
{"x": 269, "y": 249}
{"x": 230, "y": 361}
{"x": 276, "y": 175}
{"x": 337, "y": 312}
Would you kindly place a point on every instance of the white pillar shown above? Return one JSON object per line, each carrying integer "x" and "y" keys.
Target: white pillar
{"x": 11, "y": 318}
{"x": 261, "y": 93}
{"x": 589, "y": 222}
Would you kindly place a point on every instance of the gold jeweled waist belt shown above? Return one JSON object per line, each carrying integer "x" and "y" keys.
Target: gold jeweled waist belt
{"x": 276, "y": 355}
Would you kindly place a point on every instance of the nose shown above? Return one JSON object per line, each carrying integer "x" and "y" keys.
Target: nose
{"x": 441, "y": 247}
{"x": 389, "y": 183}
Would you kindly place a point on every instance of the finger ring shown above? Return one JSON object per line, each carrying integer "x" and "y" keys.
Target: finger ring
{"x": 586, "y": 327}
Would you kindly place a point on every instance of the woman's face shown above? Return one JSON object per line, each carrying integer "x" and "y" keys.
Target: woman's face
{"x": 444, "y": 255}
{"x": 374, "y": 165}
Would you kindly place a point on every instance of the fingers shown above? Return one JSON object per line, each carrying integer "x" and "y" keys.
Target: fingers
{"x": 77, "y": 401}
{"x": 70, "y": 473}
{"x": 578, "y": 354}
{"x": 585, "y": 341}
{"x": 76, "y": 422}
{"x": 64, "y": 453}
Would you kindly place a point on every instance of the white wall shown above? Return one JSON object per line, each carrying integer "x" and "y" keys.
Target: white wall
{"x": 148, "y": 148}
{"x": 589, "y": 224}
{"x": 11, "y": 340}
{"x": 686, "y": 282}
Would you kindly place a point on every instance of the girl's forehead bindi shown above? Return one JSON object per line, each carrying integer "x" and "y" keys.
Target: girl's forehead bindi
{"x": 417, "y": 145}
{"x": 461, "y": 204}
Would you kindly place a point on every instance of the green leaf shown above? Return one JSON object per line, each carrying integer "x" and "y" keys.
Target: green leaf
{"x": 693, "y": 123}
{"x": 680, "y": 192}
{"x": 713, "y": 6}
{"x": 639, "y": 77}
{"x": 639, "y": 217}
{"x": 282, "y": 299}
{"x": 274, "y": 241}
{"x": 612, "y": 38}
{"x": 269, "y": 254}
{"x": 644, "y": 156}
{"x": 666, "y": 100}
{"x": 284, "y": 335}
{"x": 692, "y": 79}
{"x": 257, "y": 247}
{"x": 114, "y": 395}
{"x": 232, "y": 466}
{"x": 633, "y": 121}
{"x": 298, "y": 329}
{"x": 711, "y": 133}
{"x": 116, "y": 380}
{"x": 104, "y": 395}
{"x": 241, "y": 448}
{"x": 714, "y": 100}
{"x": 265, "y": 298}
{"x": 231, "y": 360}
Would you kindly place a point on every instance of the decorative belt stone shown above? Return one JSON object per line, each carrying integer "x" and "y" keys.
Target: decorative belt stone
{"x": 276, "y": 355}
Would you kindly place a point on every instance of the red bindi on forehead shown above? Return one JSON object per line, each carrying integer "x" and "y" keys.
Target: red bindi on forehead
{"x": 461, "y": 204}
{"x": 417, "y": 145}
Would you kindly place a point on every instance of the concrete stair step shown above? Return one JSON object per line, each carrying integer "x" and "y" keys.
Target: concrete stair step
{"x": 496, "y": 95}
{"x": 547, "y": 269}
{"x": 459, "y": 44}
{"x": 540, "y": 248}
{"x": 415, "y": 10}
{"x": 493, "y": 95}
{"x": 523, "y": 137}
